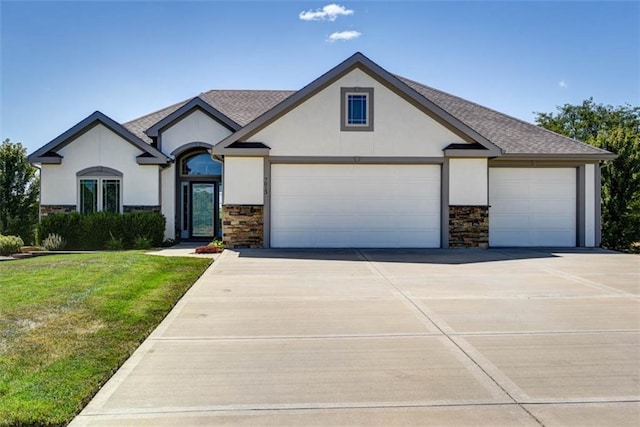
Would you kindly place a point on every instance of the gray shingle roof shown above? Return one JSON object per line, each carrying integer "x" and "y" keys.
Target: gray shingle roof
{"x": 512, "y": 135}
{"x": 241, "y": 106}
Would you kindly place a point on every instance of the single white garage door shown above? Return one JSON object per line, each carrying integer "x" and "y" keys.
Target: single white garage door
{"x": 372, "y": 206}
{"x": 532, "y": 207}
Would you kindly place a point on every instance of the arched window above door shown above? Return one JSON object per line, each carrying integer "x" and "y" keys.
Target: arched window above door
{"x": 200, "y": 164}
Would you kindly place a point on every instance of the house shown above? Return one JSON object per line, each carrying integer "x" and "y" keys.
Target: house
{"x": 357, "y": 158}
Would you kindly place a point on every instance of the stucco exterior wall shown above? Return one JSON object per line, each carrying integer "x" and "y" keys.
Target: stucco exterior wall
{"x": 100, "y": 147}
{"x": 313, "y": 128}
{"x": 468, "y": 182}
{"x": 243, "y": 181}
{"x": 57, "y": 185}
{"x": 168, "y": 208}
{"x": 196, "y": 127}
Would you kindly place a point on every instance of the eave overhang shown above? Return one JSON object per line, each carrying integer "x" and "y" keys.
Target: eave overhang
{"x": 589, "y": 158}
{"x": 473, "y": 150}
{"x": 246, "y": 149}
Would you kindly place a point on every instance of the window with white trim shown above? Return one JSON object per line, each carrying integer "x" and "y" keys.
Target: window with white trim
{"x": 99, "y": 190}
{"x": 356, "y": 109}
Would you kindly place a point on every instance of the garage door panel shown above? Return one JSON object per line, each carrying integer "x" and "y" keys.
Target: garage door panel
{"x": 510, "y": 235}
{"x": 355, "y": 206}
{"x": 509, "y": 190}
{"x": 294, "y": 186}
{"x": 398, "y": 239}
{"x": 561, "y": 223}
{"x": 296, "y": 205}
{"x": 507, "y": 207}
{"x": 510, "y": 222}
{"x": 559, "y": 191}
{"x": 532, "y": 207}
{"x": 554, "y": 207}
{"x": 552, "y": 238}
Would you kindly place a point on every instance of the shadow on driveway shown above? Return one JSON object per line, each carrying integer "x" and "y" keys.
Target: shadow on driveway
{"x": 418, "y": 256}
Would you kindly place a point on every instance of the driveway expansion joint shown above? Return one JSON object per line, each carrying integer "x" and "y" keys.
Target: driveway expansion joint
{"x": 451, "y": 340}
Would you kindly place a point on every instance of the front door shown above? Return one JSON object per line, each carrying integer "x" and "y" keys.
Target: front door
{"x": 200, "y": 210}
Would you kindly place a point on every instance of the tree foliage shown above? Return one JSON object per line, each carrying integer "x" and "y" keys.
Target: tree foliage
{"x": 616, "y": 129}
{"x": 19, "y": 191}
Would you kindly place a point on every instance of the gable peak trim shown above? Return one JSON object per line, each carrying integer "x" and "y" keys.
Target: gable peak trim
{"x": 194, "y": 104}
{"x": 360, "y": 61}
{"x": 47, "y": 154}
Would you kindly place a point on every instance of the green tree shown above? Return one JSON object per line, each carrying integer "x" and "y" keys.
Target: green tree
{"x": 19, "y": 191}
{"x": 616, "y": 129}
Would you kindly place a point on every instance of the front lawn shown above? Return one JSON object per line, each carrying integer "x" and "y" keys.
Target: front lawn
{"x": 67, "y": 322}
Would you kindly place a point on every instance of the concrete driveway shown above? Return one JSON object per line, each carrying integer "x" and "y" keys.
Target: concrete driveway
{"x": 392, "y": 337}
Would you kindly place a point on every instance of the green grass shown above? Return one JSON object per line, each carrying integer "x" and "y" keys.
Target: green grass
{"x": 67, "y": 322}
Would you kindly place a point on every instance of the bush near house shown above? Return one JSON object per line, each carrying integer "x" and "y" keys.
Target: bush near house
{"x": 101, "y": 229}
{"x": 10, "y": 245}
{"x": 54, "y": 242}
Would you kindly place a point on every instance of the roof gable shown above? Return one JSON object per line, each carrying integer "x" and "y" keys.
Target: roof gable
{"x": 48, "y": 153}
{"x": 358, "y": 60}
{"x": 241, "y": 106}
{"x": 196, "y": 103}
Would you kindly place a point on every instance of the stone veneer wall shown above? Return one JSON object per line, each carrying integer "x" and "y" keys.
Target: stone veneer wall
{"x": 243, "y": 226}
{"x": 141, "y": 208}
{"x": 468, "y": 226}
{"x": 55, "y": 209}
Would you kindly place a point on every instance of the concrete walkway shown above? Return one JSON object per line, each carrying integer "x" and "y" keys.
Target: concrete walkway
{"x": 405, "y": 337}
{"x": 184, "y": 249}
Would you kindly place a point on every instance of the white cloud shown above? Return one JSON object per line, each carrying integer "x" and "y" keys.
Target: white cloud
{"x": 344, "y": 35}
{"x": 562, "y": 84}
{"x": 329, "y": 12}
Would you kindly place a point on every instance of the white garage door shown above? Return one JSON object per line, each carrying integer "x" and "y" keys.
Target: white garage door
{"x": 532, "y": 207}
{"x": 319, "y": 205}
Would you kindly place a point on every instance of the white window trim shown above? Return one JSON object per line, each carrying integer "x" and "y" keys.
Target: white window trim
{"x": 345, "y": 126}
{"x": 99, "y": 179}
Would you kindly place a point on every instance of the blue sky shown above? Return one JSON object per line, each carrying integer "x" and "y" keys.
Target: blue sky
{"x": 60, "y": 61}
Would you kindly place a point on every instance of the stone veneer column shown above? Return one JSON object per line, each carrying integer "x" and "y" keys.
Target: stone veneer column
{"x": 56, "y": 209}
{"x": 243, "y": 226}
{"x": 468, "y": 226}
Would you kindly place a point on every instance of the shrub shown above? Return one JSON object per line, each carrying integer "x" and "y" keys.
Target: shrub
{"x": 143, "y": 224}
{"x": 218, "y": 244}
{"x": 54, "y": 242}
{"x": 105, "y": 230}
{"x": 114, "y": 244}
{"x": 100, "y": 228}
{"x": 67, "y": 225}
{"x": 10, "y": 245}
{"x": 142, "y": 242}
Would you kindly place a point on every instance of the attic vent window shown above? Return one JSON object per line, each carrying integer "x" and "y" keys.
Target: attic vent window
{"x": 356, "y": 109}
